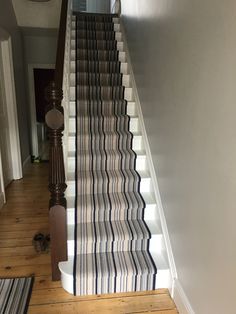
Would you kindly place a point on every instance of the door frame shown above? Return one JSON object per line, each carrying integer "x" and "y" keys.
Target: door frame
{"x": 33, "y": 120}
{"x": 2, "y": 188}
{"x": 11, "y": 105}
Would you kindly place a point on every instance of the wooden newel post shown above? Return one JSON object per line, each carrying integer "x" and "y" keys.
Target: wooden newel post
{"x": 54, "y": 119}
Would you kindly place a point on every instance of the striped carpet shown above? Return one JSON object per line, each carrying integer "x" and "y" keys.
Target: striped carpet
{"x": 111, "y": 236}
{"x": 15, "y": 295}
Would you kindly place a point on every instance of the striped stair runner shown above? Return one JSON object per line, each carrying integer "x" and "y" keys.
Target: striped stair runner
{"x": 111, "y": 252}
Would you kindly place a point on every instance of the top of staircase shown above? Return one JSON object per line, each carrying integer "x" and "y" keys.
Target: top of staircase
{"x": 79, "y": 13}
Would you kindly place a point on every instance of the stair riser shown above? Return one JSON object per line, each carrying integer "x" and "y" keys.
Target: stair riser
{"x": 118, "y": 35}
{"x": 149, "y": 214}
{"x": 115, "y": 20}
{"x": 123, "y": 67}
{"x": 156, "y": 241}
{"x": 134, "y": 126}
{"x": 145, "y": 186}
{"x": 125, "y": 80}
{"x": 121, "y": 56}
{"x": 116, "y": 26}
{"x": 137, "y": 143}
{"x": 163, "y": 280}
{"x": 120, "y": 45}
{"x": 140, "y": 164}
{"x": 128, "y": 95}
{"x": 131, "y": 109}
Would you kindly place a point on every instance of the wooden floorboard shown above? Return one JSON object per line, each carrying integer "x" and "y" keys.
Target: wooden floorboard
{"x": 25, "y": 214}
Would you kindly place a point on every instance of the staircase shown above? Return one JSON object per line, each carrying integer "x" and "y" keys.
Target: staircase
{"x": 115, "y": 242}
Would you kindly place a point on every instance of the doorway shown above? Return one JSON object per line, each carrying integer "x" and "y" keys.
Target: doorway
{"x": 40, "y": 76}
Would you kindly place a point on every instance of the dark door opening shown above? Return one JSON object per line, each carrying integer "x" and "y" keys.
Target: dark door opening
{"x": 42, "y": 77}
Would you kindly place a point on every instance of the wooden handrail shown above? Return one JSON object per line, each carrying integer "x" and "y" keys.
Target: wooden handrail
{"x": 61, "y": 45}
{"x": 54, "y": 119}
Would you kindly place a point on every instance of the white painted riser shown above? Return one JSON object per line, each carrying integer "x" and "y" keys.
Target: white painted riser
{"x": 121, "y": 56}
{"x": 137, "y": 143}
{"x": 115, "y": 20}
{"x": 163, "y": 277}
{"x": 141, "y": 163}
{"x": 131, "y": 108}
{"x": 149, "y": 214}
{"x": 128, "y": 94}
{"x": 125, "y": 80}
{"x": 120, "y": 45}
{"x": 123, "y": 67}
{"x": 156, "y": 243}
{"x": 116, "y": 26}
{"x": 118, "y": 35}
{"x": 134, "y": 125}
{"x": 145, "y": 185}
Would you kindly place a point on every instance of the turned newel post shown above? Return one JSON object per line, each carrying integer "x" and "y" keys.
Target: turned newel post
{"x": 54, "y": 119}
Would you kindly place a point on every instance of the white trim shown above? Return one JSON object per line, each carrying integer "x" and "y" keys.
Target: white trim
{"x": 2, "y": 199}
{"x": 26, "y": 161}
{"x": 9, "y": 87}
{"x": 115, "y": 7}
{"x": 2, "y": 187}
{"x": 33, "y": 122}
{"x": 181, "y": 301}
{"x": 150, "y": 163}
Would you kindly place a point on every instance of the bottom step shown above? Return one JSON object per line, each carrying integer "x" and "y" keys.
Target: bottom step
{"x": 106, "y": 278}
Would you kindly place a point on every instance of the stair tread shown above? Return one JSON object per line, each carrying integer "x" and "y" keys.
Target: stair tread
{"x": 108, "y": 152}
{"x": 116, "y": 264}
{"x": 159, "y": 258}
{"x": 115, "y": 230}
{"x": 101, "y": 87}
{"x": 92, "y": 14}
{"x": 112, "y": 205}
{"x": 73, "y": 102}
{"x": 103, "y": 228}
{"x": 72, "y": 134}
{"x": 88, "y": 174}
{"x": 148, "y": 198}
{"x": 98, "y": 61}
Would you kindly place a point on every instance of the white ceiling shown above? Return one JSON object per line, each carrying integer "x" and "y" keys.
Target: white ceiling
{"x": 37, "y": 14}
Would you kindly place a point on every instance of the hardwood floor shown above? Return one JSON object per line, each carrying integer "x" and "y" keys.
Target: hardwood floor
{"x": 25, "y": 214}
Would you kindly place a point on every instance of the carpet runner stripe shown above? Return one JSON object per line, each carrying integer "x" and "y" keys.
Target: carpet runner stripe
{"x": 111, "y": 236}
{"x": 15, "y": 295}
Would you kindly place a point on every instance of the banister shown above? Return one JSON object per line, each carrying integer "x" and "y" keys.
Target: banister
{"x": 61, "y": 45}
{"x": 54, "y": 119}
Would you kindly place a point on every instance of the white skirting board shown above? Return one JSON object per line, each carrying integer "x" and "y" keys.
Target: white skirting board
{"x": 150, "y": 163}
{"x": 26, "y": 162}
{"x": 182, "y": 303}
{"x": 2, "y": 201}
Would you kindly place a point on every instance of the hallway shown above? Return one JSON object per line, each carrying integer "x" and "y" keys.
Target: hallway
{"x": 26, "y": 214}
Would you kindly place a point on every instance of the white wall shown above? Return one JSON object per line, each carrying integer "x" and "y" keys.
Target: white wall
{"x": 37, "y": 14}
{"x": 98, "y": 6}
{"x": 9, "y": 24}
{"x": 2, "y": 189}
{"x": 34, "y": 39}
{"x": 184, "y": 59}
